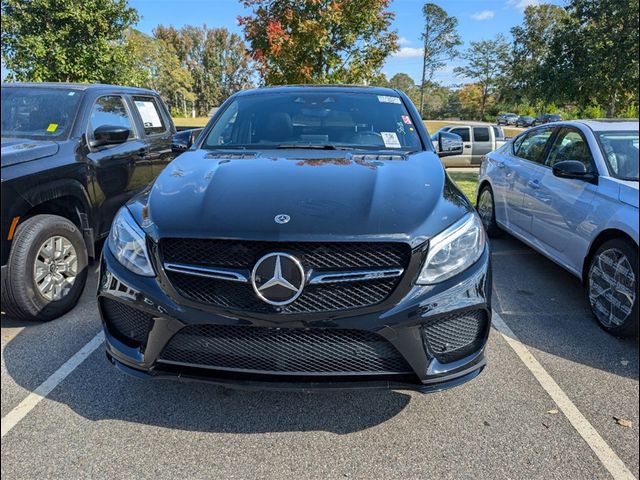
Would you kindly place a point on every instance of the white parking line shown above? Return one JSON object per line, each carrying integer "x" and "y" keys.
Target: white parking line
{"x": 603, "y": 451}
{"x": 12, "y": 418}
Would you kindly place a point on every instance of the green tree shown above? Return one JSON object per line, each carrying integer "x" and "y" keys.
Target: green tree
{"x": 215, "y": 59}
{"x": 319, "y": 41}
{"x": 67, "y": 40}
{"x": 532, "y": 43}
{"x": 595, "y": 54}
{"x": 157, "y": 67}
{"x": 487, "y": 62}
{"x": 405, "y": 83}
{"x": 439, "y": 43}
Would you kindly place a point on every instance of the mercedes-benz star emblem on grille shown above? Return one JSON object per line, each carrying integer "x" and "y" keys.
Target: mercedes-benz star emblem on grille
{"x": 278, "y": 278}
{"x": 282, "y": 218}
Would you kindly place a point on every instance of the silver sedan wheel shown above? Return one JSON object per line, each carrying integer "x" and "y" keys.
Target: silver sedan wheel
{"x": 55, "y": 268}
{"x": 612, "y": 287}
{"x": 485, "y": 208}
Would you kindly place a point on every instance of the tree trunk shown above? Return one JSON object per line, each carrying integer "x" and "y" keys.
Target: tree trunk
{"x": 611, "y": 109}
{"x": 424, "y": 70}
{"x": 483, "y": 103}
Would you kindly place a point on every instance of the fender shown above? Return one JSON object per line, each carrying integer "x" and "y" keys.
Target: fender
{"x": 67, "y": 187}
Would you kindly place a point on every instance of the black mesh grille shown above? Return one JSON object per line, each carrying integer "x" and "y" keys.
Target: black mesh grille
{"x": 244, "y": 254}
{"x": 456, "y": 336}
{"x": 126, "y": 322}
{"x": 317, "y": 256}
{"x": 314, "y": 298}
{"x": 284, "y": 351}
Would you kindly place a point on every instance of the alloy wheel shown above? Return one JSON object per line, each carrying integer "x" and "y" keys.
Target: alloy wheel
{"x": 55, "y": 268}
{"x": 612, "y": 287}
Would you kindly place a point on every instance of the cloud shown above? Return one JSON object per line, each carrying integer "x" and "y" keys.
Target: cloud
{"x": 522, "y": 4}
{"x": 408, "y": 52}
{"x": 483, "y": 15}
{"x": 404, "y": 41}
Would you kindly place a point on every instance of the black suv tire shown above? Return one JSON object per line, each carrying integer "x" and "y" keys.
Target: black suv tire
{"x": 21, "y": 296}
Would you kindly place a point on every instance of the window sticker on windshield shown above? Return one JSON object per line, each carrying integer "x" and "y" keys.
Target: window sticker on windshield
{"x": 390, "y": 139}
{"x": 149, "y": 114}
{"x": 52, "y": 127}
{"x": 406, "y": 119}
{"x": 388, "y": 99}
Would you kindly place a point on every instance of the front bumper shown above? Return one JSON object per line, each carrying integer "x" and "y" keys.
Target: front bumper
{"x": 404, "y": 326}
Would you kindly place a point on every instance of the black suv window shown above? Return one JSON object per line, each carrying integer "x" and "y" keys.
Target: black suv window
{"x": 533, "y": 145}
{"x": 569, "y": 145}
{"x": 314, "y": 118}
{"x": 463, "y": 132}
{"x": 38, "y": 113}
{"x": 110, "y": 110}
{"x": 150, "y": 114}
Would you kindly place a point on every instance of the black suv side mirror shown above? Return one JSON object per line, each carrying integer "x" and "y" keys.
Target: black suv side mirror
{"x": 109, "y": 135}
{"x": 573, "y": 169}
{"x": 183, "y": 140}
{"x": 449, "y": 144}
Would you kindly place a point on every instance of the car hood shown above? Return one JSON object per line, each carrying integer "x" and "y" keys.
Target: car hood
{"x": 19, "y": 150}
{"x": 327, "y": 195}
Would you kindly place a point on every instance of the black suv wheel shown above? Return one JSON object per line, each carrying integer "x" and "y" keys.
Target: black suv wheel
{"x": 47, "y": 269}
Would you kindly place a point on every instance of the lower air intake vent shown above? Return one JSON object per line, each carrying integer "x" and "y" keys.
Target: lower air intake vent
{"x": 129, "y": 324}
{"x": 284, "y": 351}
{"x": 455, "y": 336}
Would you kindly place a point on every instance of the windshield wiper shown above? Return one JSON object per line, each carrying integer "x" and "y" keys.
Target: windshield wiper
{"x": 306, "y": 146}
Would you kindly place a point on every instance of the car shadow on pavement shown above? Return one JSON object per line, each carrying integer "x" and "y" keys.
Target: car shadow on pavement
{"x": 98, "y": 391}
{"x": 547, "y": 308}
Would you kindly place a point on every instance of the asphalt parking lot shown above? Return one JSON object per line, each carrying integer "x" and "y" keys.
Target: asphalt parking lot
{"x": 97, "y": 422}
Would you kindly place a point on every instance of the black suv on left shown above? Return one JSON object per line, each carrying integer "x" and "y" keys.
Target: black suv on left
{"x": 72, "y": 154}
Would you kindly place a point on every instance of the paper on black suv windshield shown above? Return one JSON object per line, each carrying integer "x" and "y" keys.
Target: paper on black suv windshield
{"x": 390, "y": 139}
{"x": 149, "y": 114}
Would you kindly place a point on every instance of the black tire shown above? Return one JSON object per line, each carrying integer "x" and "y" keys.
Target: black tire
{"x": 488, "y": 217}
{"x": 21, "y": 297}
{"x": 620, "y": 320}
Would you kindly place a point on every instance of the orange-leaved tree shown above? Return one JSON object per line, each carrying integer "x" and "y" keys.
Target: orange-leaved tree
{"x": 319, "y": 41}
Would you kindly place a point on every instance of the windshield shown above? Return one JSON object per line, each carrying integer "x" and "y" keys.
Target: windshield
{"x": 620, "y": 150}
{"x": 38, "y": 113}
{"x": 315, "y": 120}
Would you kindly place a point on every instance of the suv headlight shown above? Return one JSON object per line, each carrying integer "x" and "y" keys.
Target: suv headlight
{"x": 127, "y": 243}
{"x": 453, "y": 250}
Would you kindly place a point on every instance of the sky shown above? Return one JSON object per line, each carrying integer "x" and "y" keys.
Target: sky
{"x": 477, "y": 20}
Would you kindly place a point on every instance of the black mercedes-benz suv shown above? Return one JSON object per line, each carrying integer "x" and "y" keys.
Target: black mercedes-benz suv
{"x": 310, "y": 238}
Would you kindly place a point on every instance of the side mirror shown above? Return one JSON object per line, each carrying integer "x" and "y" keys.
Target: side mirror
{"x": 109, "y": 135}
{"x": 573, "y": 169}
{"x": 449, "y": 144}
{"x": 183, "y": 140}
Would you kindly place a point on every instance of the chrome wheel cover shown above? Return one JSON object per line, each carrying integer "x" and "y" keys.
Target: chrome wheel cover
{"x": 485, "y": 208}
{"x": 55, "y": 268}
{"x": 612, "y": 287}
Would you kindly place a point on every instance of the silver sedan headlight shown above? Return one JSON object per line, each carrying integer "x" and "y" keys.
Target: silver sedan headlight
{"x": 453, "y": 250}
{"x": 127, "y": 243}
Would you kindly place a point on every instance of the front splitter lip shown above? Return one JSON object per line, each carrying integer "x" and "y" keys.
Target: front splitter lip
{"x": 310, "y": 386}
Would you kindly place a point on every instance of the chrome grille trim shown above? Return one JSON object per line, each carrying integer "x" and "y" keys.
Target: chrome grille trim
{"x": 353, "y": 276}
{"x": 208, "y": 272}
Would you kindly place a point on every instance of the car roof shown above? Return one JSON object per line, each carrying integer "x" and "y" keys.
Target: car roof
{"x": 610, "y": 125}
{"x": 91, "y": 87}
{"x": 320, "y": 89}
